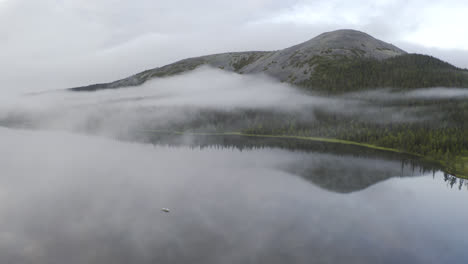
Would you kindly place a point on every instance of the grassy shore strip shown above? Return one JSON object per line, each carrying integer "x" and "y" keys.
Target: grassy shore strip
{"x": 461, "y": 173}
{"x": 321, "y": 139}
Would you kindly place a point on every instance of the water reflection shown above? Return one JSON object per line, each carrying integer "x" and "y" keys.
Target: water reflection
{"x": 76, "y": 199}
{"x": 453, "y": 181}
{"x": 362, "y": 168}
{"x": 352, "y": 174}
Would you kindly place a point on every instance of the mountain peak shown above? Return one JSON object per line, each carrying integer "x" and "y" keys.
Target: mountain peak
{"x": 344, "y": 37}
{"x": 349, "y": 42}
{"x": 345, "y": 32}
{"x": 294, "y": 63}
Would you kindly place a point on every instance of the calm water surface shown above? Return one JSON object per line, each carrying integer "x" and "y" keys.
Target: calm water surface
{"x": 76, "y": 199}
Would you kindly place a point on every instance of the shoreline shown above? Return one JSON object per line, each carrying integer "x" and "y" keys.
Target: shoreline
{"x": 458, "y": 173}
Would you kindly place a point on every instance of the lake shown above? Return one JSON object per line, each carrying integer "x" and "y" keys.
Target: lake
{"x": 69, "y": 198}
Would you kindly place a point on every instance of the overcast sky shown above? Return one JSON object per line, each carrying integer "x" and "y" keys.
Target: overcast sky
{"x": 52, "y": 44}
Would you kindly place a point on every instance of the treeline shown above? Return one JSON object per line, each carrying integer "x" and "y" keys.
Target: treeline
{"x": 443, "y": 136}
{"x": 434, "y": 128}
{"x": 337, "y": 75}
{"x": 445, "y": 144}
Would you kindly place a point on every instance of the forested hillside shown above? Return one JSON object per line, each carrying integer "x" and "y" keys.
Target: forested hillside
{"x": 408, "y": 71}
{"x": 441, "y": 133}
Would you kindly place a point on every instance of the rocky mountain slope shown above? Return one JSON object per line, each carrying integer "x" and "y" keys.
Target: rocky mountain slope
{"x": 321, "y": 64}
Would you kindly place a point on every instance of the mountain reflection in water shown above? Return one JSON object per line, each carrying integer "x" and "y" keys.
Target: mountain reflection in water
{"x": 362, "y": 167}
{"x": 78, "y": 199}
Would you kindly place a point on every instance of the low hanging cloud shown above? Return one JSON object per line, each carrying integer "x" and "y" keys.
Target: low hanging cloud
{"x": 439, "y": 93}
{"x": 385, "y": 95}
{"x": 206, "y": 99}
{"x": 160, "y": 102}
{"x": 191, "y": 101}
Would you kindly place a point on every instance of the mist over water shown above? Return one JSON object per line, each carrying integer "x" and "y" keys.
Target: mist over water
{"x": 162, "y": 103}
{"x": 192, "y": 98}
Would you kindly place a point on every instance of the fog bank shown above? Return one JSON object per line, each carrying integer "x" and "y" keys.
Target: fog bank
{"x": 205, "y": 99}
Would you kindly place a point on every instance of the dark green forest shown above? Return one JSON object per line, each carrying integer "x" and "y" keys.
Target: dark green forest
{"x": 437, "y": 130}
{"x": 343, "y": 74}
{"x": 444, "y": 137}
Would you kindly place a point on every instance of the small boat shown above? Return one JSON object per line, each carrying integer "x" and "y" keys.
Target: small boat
{"x": 166, "y": 210}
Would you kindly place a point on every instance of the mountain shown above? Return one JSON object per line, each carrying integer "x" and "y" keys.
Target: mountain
{"x": 337, "y": 61}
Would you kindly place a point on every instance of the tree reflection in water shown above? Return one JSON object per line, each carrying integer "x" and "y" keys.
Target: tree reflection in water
{"x": 332, "y": 173}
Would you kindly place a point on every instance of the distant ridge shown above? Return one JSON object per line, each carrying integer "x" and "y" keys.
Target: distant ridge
{"x": 341, "y": 60}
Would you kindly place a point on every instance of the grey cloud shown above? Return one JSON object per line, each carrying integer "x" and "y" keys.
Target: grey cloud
{"x": 174, "y": 100}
